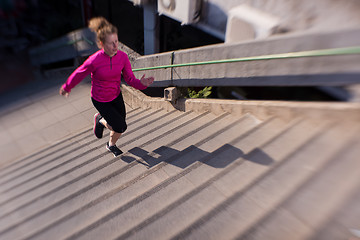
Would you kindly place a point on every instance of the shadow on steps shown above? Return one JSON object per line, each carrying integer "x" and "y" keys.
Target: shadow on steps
{"x": 172, "y": 156}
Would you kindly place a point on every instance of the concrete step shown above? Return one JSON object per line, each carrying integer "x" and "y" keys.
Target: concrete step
{"x": 158, "y": 192}
{"x": 10, "y": 220}
{"x": 143, "y": 182}
{"x": 243, "y": 210}
{"x": 77, "y": 166}
{"x": 35, "y": 165}
{"x": 176, "y": 190}
{"x": 187, "y": 175}
{"x": 23, "y": 164}
{"x": 310, "y": 207}
{"x": 344, "y": 222}
{"x": 187, "y": 187}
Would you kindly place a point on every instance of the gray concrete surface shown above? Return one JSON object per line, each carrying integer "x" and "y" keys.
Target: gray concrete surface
{"x": 216, "y": 169}
{"x": 306, "y": 71}
{"x": 295, "y": 16}
{"x": 35, "y": 116}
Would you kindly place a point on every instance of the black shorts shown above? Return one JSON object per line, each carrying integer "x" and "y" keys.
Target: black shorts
{"x": 113, "y": 112}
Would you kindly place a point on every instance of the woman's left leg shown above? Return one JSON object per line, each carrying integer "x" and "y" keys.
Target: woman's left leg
{"x": 114, "y": 136}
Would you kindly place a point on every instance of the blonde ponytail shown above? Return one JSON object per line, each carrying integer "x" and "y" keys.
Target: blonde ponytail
{"x": 101, "y": 27}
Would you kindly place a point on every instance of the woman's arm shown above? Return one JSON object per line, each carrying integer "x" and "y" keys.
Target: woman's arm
{"x": 146, "y": 81}
{"x": 129, "y": 77}
{"x": 76, "y": 77}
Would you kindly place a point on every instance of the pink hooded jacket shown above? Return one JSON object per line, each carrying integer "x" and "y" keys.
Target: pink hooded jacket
{"x": 105, "y": 75}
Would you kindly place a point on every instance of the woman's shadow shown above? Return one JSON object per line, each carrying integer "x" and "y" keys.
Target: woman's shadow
{"x": 220, "y": 158}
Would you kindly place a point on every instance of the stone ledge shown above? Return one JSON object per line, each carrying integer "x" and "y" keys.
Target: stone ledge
{"x": 260, "y": 109}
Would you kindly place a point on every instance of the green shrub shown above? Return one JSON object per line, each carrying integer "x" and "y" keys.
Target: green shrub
{"x": 204, "y": 93}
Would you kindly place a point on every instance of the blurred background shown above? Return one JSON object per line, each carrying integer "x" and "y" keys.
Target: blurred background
{"x": 257, "y": 169}
{"x": 146, "y": 27}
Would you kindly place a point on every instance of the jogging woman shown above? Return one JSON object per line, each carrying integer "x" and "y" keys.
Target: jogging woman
{"x": 106, "y": 67}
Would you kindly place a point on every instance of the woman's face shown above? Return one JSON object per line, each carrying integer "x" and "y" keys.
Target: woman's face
{"x": 110, "y": 45}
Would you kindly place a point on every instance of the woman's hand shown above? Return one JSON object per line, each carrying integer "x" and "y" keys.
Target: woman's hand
{"x": 63, "y": 92}
{"x": 146, "y": 81}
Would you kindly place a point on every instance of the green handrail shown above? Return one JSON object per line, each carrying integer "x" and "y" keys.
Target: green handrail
{"x": 311, "y": 53}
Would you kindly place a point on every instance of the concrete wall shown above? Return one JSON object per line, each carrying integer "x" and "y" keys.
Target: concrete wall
{"x": 295, "y": 15}
{"x": 305, "y": 71}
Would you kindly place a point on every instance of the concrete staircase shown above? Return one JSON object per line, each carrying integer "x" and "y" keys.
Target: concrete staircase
{"x": 193, "y": 174}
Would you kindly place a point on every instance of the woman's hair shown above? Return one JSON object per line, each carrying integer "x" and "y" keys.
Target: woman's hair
{"x": 101, "y": 27}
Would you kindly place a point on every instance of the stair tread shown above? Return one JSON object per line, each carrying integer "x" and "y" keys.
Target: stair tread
{"x": 182, "y": 164}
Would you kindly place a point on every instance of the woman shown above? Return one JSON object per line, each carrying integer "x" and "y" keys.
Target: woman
{"x": 106, "y": 67}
